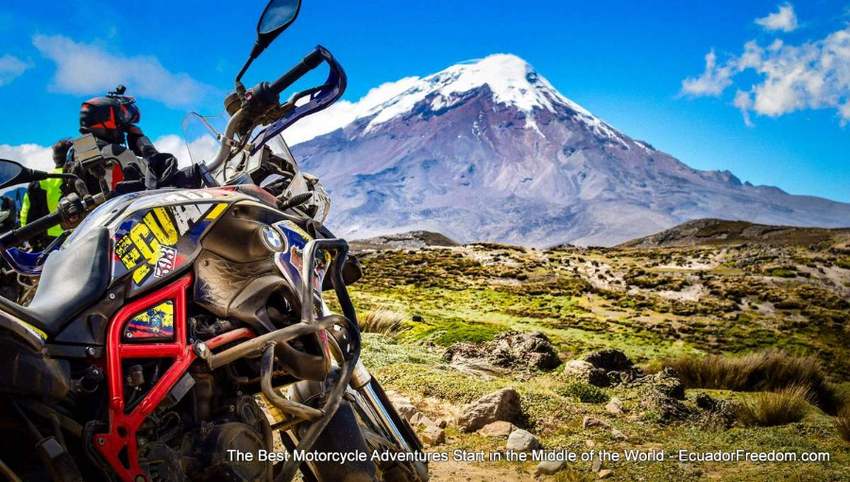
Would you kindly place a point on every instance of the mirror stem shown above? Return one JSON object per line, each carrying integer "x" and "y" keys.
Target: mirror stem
{"x": 255, "y": 52}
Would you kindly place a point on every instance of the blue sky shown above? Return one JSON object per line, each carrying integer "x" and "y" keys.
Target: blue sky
{"x": 625, "y": 61}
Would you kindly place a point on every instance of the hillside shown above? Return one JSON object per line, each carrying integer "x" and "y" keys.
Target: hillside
{"x": 702, "y": 232}
{"x": 439, "y": 323}
{"x": 489, "y": 150}
{"x": 412, "y": 239}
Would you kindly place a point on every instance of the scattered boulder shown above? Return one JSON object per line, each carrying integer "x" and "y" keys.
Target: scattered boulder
{"x": 433, "y": 435}
{"x": 549, "y": 467}
{"x": 429, "y": 431}
{"x": 533, "y": 350}
{"x": 522, "y": 441}
{"x": 618, "y": 368}
{"x": 500, "y": 429}
{"x": 662, "y": 393}
{"x": 419, "y": 418}
{"x": 706, "y": 402}
{"x": 596, "y": 466}
{"x": 577, "y": 368}
{"x": 510, "y": 350}
{"x": 609, "y": 360}
{"x": 590, "y": 422}
{"x": 586, "y": 372}
{"x": 716, "y": 413}
{"x": 402, "y": 404}
{"x": 503, "y": 405}
{"x": 614, "y": 407}
{"x": 618, "y": 435}
{"x": 604, "y": 473}
{"x": 667, "y": 382}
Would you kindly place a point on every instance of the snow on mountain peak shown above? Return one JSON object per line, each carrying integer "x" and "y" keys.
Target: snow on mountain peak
{"x": 511, "y": 80}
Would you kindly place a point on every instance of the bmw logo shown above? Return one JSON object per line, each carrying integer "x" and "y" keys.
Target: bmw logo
{"x": 271, "y": 238}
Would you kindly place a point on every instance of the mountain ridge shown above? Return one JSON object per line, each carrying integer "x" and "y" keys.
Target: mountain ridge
{"x": 511, "y": 159}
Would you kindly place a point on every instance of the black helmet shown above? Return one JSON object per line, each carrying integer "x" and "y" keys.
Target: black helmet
{"x": 109, "y": 117}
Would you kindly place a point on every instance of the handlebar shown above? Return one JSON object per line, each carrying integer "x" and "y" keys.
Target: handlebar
{"x": 241, "y": 120}
{"x": 71, "y": 209}
{"x": 308, "y": 63}
{"x": 31, "y": 230}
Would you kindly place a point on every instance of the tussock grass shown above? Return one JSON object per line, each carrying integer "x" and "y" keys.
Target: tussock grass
{"x": 771, "y": 370}
{"x": 382, "y": 321}
{"x": 842, "y": 422}
{"x": 769, "y": 409}
{"x": 583, "y": 392}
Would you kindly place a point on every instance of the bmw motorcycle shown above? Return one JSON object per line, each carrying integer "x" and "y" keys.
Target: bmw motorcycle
{"x": 184, "y": 334}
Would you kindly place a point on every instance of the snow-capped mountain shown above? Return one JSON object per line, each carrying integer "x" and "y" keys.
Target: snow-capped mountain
{"x": 489, "y": 150}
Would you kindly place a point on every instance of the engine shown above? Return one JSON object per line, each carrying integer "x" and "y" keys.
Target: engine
{"x": 196, "y": 430}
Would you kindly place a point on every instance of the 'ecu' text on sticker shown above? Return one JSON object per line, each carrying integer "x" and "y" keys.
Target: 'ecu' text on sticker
{"x": 140, "y": 248}
{"x": 150, "y": 245}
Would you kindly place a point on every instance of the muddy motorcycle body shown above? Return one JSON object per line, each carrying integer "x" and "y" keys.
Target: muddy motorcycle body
{"x": 176, "y": 331}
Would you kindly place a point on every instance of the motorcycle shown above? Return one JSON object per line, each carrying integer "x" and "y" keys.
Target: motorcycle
{"x": 183, "y": 334}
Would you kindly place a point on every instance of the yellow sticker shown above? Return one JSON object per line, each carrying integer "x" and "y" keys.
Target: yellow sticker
{"x": 216, "y": 211}
{"x": 140, "y": 249}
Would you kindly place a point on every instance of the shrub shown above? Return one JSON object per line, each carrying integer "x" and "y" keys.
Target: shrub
{"x": 770, "y": 370}
{"x": 768, "y": 409}
{"x": 583, "y": 392}
{"x": 783, "y": 272}
{"x": 842, "y": 422}
{"x": 382, "y": 321}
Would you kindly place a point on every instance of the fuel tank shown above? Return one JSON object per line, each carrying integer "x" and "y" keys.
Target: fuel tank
{"x": 245, "y": 254}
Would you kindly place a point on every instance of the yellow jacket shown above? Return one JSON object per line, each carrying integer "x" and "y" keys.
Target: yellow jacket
{"x": 53, "y": 192}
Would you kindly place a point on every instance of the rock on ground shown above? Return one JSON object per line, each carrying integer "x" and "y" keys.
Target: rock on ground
{"x": 662, "y": 392}
{"x": 549, "y": 467}
{"x": 402, "y": 404}
{"x": 522, "y": 441}
{"x": 614, "y": 406}
{"x": 615, "y": 364}
{"x": 497, "y": 429}
{"x": 609, "y": 360}
{"x": 716, "y": 413}
{"x": 503, "y": 405}
{"x": 511, "y": 350}
{"x": 586, "y": 372}
{"x": 589, "y": 422}
{"x": 433, "y": 435}
{"x": 419, "y": 418}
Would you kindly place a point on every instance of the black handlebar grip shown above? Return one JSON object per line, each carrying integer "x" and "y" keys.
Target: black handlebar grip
{"x": 308, "y": 63}
{"x": 31, "y": 230}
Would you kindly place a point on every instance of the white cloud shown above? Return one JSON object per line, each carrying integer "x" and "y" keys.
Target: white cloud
{"x": 744, "y": 102}
{"x": 174, "y": 144}
{"x": 344, "y": 112}
{"x": 713, "y": 80}
{"x": 88, "y": 69}
{"x": 33, "y": 156}
{"x": 201, "y": 149}
{"x": 783, "y": 19}
{"x": 11, "y": 68}
{"x": 789, "y": 78}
